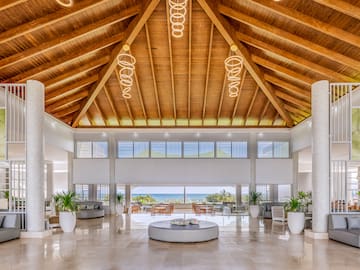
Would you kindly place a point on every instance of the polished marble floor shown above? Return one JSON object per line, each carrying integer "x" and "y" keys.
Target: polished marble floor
{"x": 122, "y": 243}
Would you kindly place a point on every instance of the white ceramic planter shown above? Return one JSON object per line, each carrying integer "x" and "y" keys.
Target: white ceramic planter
{"x": 67, "y": 221}
{"x": 254, "y": 210}
{"x": 296, "y": 221}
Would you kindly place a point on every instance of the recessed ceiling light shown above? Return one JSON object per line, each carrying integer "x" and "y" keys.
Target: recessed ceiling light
{"x": 229, "y": 134}
{"x": 104, "y": 134}
{"x": 53, "y": 124}
{"x": 197, "y": 134}
{"x": 261, "y": 134}
{"x": 135, "y": 135}
{"x": 166, "y": 134}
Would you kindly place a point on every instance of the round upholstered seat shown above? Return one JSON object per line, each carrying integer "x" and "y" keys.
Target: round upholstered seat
{"x": 165, "y": 231}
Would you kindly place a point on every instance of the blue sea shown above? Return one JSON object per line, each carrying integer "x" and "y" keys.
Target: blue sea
{"x": 177, "y": 197}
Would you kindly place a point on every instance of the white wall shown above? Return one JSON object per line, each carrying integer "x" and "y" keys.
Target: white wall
{"x": 301, "y": 136}
{"x": 91, "y": 171}
{"x": 304, "y": 182}
{"x": 183, "y": 171}
{"x": 274, "y": 171}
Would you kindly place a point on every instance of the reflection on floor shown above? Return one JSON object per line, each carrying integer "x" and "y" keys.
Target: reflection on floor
{"x": 122, "y": 243}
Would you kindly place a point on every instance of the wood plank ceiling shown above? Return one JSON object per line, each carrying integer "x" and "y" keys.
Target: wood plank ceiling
{"x": 286, "y": 45}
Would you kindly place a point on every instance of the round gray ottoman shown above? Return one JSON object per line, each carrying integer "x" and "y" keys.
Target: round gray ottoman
{"x": 165, "y": 231}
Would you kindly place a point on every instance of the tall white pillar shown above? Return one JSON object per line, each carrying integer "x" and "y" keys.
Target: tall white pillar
{"x": 34, "y": 157}
{"x": 252, "y": 156}
{"x": 70, "y": 162}
{"x": 112, "y": 186}
{"x": 49, "y": 180}
{"x": 320, "y": 157}
{"x": 127, "y": 196}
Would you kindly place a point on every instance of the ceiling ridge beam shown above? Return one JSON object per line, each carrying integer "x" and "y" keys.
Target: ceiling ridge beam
{"x": 5, "y": 4}
{"x": 153, "y": 71}
{"x": 111, "y": 103}
{"x": 67, "y": 90}
{"x": 288, "y": 86}
{"x": 283, "y": 70}
{"x": 52, "y": 83}
{"x": 329, "y": 73}
{"x": 189, "y": 63}
{"x": 47, "y": 20}
{"x": 207, "y": 72}
{"x": 228, "y": 33}
{"x": 132, "y": 31}
{"x": 309, "y": 21}
{"x": 289, "y": 37}
{"x": 243, "y": 75}
{"x": 68, "y": 58}
{"x": 341, "y": 6}
{"x": 76, "y": 34}
{"x": 64, "y": 102}
{"x": 171, "y": 60}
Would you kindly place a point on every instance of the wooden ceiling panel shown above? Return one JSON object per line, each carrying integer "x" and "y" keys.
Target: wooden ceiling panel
{"x": 286, "y": 46}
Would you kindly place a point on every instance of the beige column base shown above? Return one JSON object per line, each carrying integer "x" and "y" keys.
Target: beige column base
{"x": 35, "y": 234}
{"x": 314, "y": 235}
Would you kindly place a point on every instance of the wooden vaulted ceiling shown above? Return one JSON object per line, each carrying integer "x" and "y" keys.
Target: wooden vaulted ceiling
{"x": 286, "y": 46}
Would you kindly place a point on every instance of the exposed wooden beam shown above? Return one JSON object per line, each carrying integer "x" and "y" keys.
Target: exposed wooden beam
{"x": 52, "y": 83}
{"x": 275, "y": 118}
{"x": 67, "y": 120}
{"x": 292, "y": 99}
{"x": 189, "y": 62}
{"x": 67, "y": 111}
{"x": 132, "y": 31}
{"x": 207, "y": 72}
{"x": 301, "y": 61}
{"x": 290, "y": 38}
{"x": 238, "y": 96}
{"x": 227, "y": 31}
{"x": 283, "y": 70}
{"x": 61, "y": 40}
{"x": 117, "y": 74}
{"x": 48, "y": 20}
{"x": 90, "y": 118}
{"x": 153, "y": 71}
{"x": 296, "y": 111}
{"x": 5, "y": 4}
{"x": 341, "y": 6}
{"x": 221, "y": 101}
{"x": 66, "y": 102}
{"x": 111, "y": 103}
{"x": 66, "y": 59}
{"x": 171, "y": 60}
{"x": 140, "y": 95}
{"x": 251, "y": 105}
{"x": 263, "y": 112}
{"x": 67, "y": 90}
{"x": 303, "y": 93}
{"x": 102, "y": 115}
{"x": 309, "y": 21}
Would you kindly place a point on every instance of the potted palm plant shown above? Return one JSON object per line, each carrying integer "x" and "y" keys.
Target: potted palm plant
{"x": 296, "y": 218}
{"x": 66, "y": 204}
{"x": 254, "y": 200}
{"x": 119, "y": 203}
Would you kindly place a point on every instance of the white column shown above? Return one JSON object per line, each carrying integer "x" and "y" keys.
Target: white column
{"x": 112, "y": 186}
{"x": 34, "y": 156}
{"x": 49, "y": 180}
{"x": 252, "y": 156}
{"x": 320, "y": 157}
{"x": 295, "y": 186}
{"x": 238, "y": 195}
{"x": 70, "y": 162}
{"x": 127, "y": 196}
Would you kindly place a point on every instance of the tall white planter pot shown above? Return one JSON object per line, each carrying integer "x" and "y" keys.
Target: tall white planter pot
{"x": 67, "y": 221}
{"x": 119, "y": 209}
{"x": 296, "y": 221}
{"x": 254, "y": 210}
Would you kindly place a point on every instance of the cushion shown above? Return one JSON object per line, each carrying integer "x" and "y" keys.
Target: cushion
{"x": 338, "y": 222}
{"x": 1, "y": 220}
{"x": 353, "y": 223}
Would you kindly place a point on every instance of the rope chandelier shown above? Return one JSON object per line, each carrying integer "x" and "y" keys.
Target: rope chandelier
{"x": 127, "y": 69}
{"x": 177, "y": 17}
{"x": 66, "y": 3}
{"x": 233, "y": 67}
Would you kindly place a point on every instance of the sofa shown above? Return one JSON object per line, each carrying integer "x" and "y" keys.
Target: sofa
{"x": 90, "y": 209}
{"x": 345, "y": 228}
{"x": 9, "y": 226}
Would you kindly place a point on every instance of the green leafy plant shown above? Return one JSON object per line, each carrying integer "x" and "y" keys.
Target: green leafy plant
{"x": 293, "y": 205}
{"x": 223, "y": 196}
{"x": 120, "y": 198}
{"x": 144, "y": 199}
{"x": 255, "y": 197}
{"x": 65, "y": 201}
